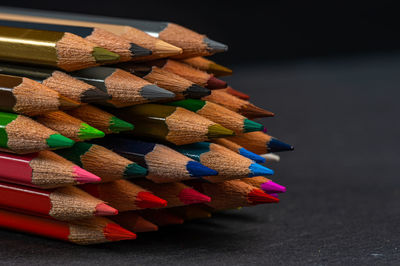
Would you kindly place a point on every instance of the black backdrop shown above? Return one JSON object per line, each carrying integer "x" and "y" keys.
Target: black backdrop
{"x": 262, "y": 30}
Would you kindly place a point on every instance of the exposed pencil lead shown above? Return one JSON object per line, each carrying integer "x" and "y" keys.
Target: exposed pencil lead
{"x": 214, "y": 46}
{"x": 139, "y": 51}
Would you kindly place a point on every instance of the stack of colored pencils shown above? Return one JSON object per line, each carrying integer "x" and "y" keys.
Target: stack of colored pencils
{"x": 92, "y": 153}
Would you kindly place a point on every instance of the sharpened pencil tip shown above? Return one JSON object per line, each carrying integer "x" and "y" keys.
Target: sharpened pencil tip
{"x": 213, "y": 83}
{"x": 196, "y": 169}
{"x": 218, "y": 131}
{"x": 257, "y": 196}
{"x": 114, "y": 232}
{"x": 196, "y": 92}
{"x": 94, "y": 95}
{"x": 272, "y": 187}
{"x": 67, "y": 103}
{"x": 138, "y": 51}
{"x": 135, "y": 170}
{"x": 103, "y": 209}
{"x": 276, "y": 145}
{"x": 102, "y": 55}
{"x": 191, "y": 196}
{"x": 58, "y": 141}
{"x": 271, "y": 157}
{"x": 148, "y": 200}
{"x": 257, "y": 170}
{"x": 82, "y": 176}
{"x": 237, "y": 93}
{"x": 117, "y": 125}
{"x": 88, "y": 132}
{"x": 154, "y": 93}
{"x": 251, "y": 155}
{"x": 142, "y": 225}
{"x": 164, "y": 49}
{"x": 219, "y": 70}
{"x": 250, "y": 126}
{"x": 214, "y": 46}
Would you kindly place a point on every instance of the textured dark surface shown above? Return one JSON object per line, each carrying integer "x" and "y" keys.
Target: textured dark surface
{"x": 343, "y": 199}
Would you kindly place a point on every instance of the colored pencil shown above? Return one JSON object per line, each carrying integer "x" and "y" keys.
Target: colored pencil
{"x": 100, "y": 37}
{"x": 197, "y": 76}
{"x": 83, "y": 232}
{"x": 260, "y": 143}
{"x": 208, "y": 65}
{"x": 236, "y": 93}
{"x": 100, "y": 119}
{"x": 134, "y": 222}
{"x": 164, "y": 165}
{"x": 161, "y": 217}
{"x": 102, "y": 162}
{"x": 44, "y": 169}
{"x": 265, "y": 184}
{"x": 220, "y": 115}
{"x": 50, "y": 48}
{"x": 20, "y": 134}
{"x": 65, "y": 203}
{"x": 28, "y": 97}
{"x": 191, "y": 212}
{"x": 227, "y": 163}
{"x": 176, "y": 194}
{"x": 69, "y": 126}
{"x": 158, "y": 47}
{"x": 122, "y": 86}
{"x": 168, "y": 123}
{"x": 240, "y": 150}
{"x": 232, "y": 194}
{"x": 240, "y": 106}
{"x": 182, "y": 87}
{"x": 59, "y": 81}
{"x": 271, "y": 157}
{"x": 124, "y": 195}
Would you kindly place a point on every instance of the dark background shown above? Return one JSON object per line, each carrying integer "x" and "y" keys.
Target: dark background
{"x": 262, "y": 30}
{"x": 330, "y": 72}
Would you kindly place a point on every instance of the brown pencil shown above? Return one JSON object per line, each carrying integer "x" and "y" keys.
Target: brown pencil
{"x": 236, "y": 93}
{"x": 176, "y": 194}
{"x": 260, "y": 143}
{"x": 134, "y": 222}
{"x": 232, "y": 194}
{"x": 240, "y": 106}
{"x": 28, "y": 97}
{"x": 158, "y": 47}
{"x": 69, "y": 126}
{"x": 197, "y": 76}
{"x": 51, "y": 48}
{"x": 208, "y": 65}
{"x": 182, "y": 87}
{"x": 124, "y": 195}
{"x": 161, "y": 217}
{"x": 191, "y": 212}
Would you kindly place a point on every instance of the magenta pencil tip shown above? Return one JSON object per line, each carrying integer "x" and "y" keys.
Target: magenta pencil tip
{"x": 272, "y": 187}
{"x": 83, "y": 176}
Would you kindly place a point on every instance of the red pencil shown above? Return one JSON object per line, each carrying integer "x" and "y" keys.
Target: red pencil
{"x": 124, "y": 196}
{"x": 134, "y": 222}
{"x": 232, "y": 194}
{"x": 176, "y": 194}
{"x": 161, "y": 217}
{"x": 44, "y": 169}
{"x": 83, "y": 232}
{"x": 237, "y": 93}
{"x": 66, "y": 203}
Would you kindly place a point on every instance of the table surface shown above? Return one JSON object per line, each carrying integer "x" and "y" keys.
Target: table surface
{"x": 342, "y": 204}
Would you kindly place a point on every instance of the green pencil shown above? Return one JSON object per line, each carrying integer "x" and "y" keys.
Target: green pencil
{"x": 220, "y": 114}
{"x": 20, "y": 134}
